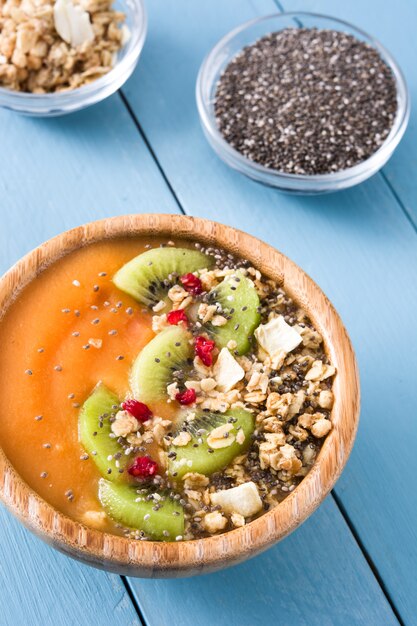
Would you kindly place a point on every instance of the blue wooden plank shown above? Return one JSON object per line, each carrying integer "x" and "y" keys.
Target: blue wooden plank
{"x": 394, "y": 24}
{"x": 56, "y": 174}
{"x": 41, "y": 587}
{"x": 61, "y": 172}
{"x": 274, "y": 587}
{"x": 347, "y": 242}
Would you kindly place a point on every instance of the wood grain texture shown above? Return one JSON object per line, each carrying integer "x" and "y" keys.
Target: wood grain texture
{"x": 40, "y": 587}
{"x": 357, "y": 244}
{"x": 153, "y": 559}
{"x": 62, "y": 172}
{"x": 273, "y": 589}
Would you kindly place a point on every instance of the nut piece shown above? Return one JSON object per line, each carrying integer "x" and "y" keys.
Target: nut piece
{"x": 289, "y": 460}
{"x": 316, "y": 423}
{"x": 182, "y": 439}
{"x": 159, "y": 322}
{"x": 206, "y": 312}
{"x": 269, "y": 450}
{"x": 272, "y": 453}
{"x": 96, "y": 343}
{"x": 219, "y": 320}
{"x": 311, "y": 338}
{"x": 221, "y": 437}
{"x": 207, "y": 384}
{"x": 240, "y": 437}
{"x": 320, "y": 371}
{"x": 97, "y": 519}
{"x": 321, "y": 428}
{"x": 172, "y": 390}
{"x": 193, "y": 480}
{"x": 277, "y": 403}
{"x": 237, "y": 520}
{"x": 326, "y": 399}
{"x": 243, "y": 499}
{"x": 124, "y": 424}
{"x": 214, "y": 522}
{"x": 159, "y": 306}
{"x": 177, "y": 294}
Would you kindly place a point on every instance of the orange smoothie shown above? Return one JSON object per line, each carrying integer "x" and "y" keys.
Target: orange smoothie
{"x": 69, "y": 329}
{"x": 161, "y": 391}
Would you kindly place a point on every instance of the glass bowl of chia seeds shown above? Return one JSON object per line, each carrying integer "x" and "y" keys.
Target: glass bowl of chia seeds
{"x": 302, "y": 102}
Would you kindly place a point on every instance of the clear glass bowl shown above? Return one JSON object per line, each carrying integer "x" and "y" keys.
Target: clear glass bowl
{"x": 223, "y": 52}
{"x": 53, "y": 104}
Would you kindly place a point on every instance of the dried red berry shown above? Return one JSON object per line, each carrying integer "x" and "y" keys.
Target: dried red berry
{"x": 186, "y": 397}
{"x": 143, "y": 467}
{"x": 192, "y": 284}
{"x": 204, "y": 349}
{"x": 137, "y": 409}
{"x": 175, "y": 317}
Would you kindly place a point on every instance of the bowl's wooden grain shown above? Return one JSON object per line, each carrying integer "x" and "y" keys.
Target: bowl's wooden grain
{"x": 152, "y": 559}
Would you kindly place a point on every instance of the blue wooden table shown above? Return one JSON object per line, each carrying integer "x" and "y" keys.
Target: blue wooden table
{"x": 355, "y": 560}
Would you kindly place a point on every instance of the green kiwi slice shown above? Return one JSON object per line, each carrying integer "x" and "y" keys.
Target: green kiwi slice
{"x": 197, "y": 455}
{"x": 129, "y": 506}
{"x": 240, "y": 302}
{"x": 168, "y": 352}
{"x": 150, "y": 275}
{"x": 94, "y": 432}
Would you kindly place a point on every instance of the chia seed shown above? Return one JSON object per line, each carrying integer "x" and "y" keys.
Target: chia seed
{"x": 306, "y": 101}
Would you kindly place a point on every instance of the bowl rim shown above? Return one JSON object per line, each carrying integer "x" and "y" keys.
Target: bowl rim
{"x": 158, "y": 559}
{"x": 10, "y": 99}
{"x": 241, "y": 162}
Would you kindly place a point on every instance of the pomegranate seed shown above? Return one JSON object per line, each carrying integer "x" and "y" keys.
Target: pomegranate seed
{"x": 137, "y": 409}
{"x": 204, "y": 349}
{"x": 142, "y": 467}
{"x": 175, "y": 317}
{"x": 192, "y": 284}
{"x": 186, "y": 397}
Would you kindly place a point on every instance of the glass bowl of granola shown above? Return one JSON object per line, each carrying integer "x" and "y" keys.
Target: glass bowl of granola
{"x": 214, "y": 394}
{"x": 60, "y": 57}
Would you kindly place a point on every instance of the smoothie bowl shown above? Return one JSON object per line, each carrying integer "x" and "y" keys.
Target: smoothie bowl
{"x": 176, "y": 395}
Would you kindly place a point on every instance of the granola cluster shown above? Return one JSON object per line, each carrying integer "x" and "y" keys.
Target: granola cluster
{"x": 289, "y": 392}
{"x": 35, "y": 58}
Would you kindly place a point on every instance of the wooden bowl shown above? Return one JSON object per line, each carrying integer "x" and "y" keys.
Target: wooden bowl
{"x": 153, "y": 559}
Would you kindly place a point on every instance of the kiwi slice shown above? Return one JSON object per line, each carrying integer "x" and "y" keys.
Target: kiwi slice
{"x": 150, "y": 275}
{"x": 94, "y": 431}
{"x": 197, "y": 456}
{"x": 129, "y": 506}
{"x": 240, "y": 302}
{"x": 155, "y": 367}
